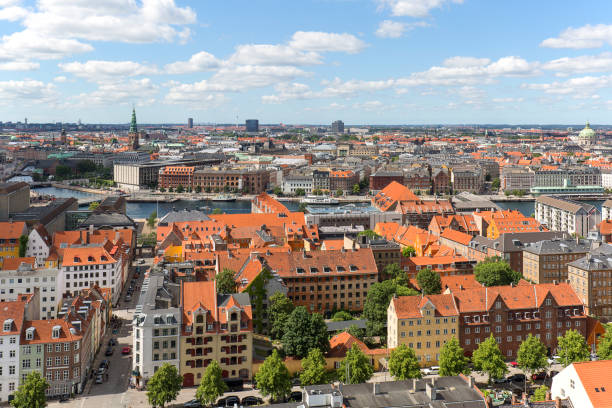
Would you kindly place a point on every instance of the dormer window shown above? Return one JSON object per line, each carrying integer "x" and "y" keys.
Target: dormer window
{"x": 327, "y": 269}
{"x": 90, "y": 258}
{"x": 30, "y": 333}
{"x": 8, "y": 325}
{"x": 340, "y": 268}
{"x": 353, "y": 268}
{"x": 77, "y": 259}
{"x": 104, "y": 258}
{"x": 313, "y": 270}
{"x": 299, "y": 270}
{"x": 55, "y": 332}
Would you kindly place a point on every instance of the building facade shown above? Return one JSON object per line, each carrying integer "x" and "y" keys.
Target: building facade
{"x": 546, "y": 261}
{"x": 561, "y": 214}
{"x": 174, "y": 176}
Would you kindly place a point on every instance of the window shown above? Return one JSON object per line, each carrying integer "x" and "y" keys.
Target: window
{"x": 12, "y": 353}
{"x": 12, "y": 370}
{"x": 49, "y": 362}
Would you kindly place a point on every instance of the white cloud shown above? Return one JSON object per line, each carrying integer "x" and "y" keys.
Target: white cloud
{"x": 414, "y": 8}
{"x": 19, "y": 66}
{"x": 99, "y": 70}
{"x": 113, "y": 92}
{"x": 339, "y": 88}
{"x": 200, "y": 62}
{"x": 13, "y": 13}
{"x": 588, "y": 36}
{"x": 289, "y": 91}
{"x": 580, "y": 65}
{"x": 369, "y": 105}
{"x": 581, "y": 87}
{"x": 320, "y": 42}
{"x": 60, "y": 79}
{"x": 268, "y": 54}
{"x": 508, "y": 100}
{"x": 25, "y": 91}
{"x": 390, "y": 29}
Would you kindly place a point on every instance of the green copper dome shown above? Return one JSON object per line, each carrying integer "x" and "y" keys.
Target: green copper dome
{"x": 587, "y": 133}
{"x": 133, "y": 126}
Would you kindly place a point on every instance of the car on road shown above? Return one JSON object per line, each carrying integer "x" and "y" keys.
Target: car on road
{"x": 231, "y": 400}
{"x": 105, "y": 364}
{"x": 517, "y": 378}
{"x": 539, "y": 376}
{"x": 431, "y": 370}
{"x": 126, "y": 350}
{"x": 112, "y": 342}
{"x": 101, "y": 371}
{"x": 141, "y": 262}
{"x": 64, "y": 398}
{"x": 109, "y": 351}
{"x": 99, "y": 379}
{"x": 128, "y": 297}
{"x": 251, "y": 400}
{"x": 194, "y": 403}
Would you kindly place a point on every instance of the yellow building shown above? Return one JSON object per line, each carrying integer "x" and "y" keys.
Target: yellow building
{"x": 423, "y": 324}
{"x": 215, "y": 327}
{"x": 9, "y": 239}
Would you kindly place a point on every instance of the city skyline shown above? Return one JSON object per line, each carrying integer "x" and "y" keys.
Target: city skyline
{"x": 362, "y": 61}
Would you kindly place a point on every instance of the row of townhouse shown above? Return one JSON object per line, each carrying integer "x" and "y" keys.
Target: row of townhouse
{"x": 330, "y": 180}
{"x": 509, "y": 313}
{"x": 189, "y": 326}
{"x": 62, "y": 350}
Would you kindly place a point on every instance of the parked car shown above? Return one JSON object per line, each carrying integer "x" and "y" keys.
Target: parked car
{"x": 64, "y": 398}
{"x": 539, "y": 376}
{"x": 517, "y": 378}
{"x": 128, "y": 297}
{"x": 502, "y": 380}
{"x": 105, "y": 364}
{"x": 126, "y": 350}
{"x": 141, "y": 262}
{"x": 101, "y": 371}
{"x": 431, "y": 370}
{"x": 99, "y": 379}
{"x": 231, "y": 400}
{"x": 112, "y": 342}
{"x": 109, "y": 351}
{"x": 194, "y": 403}
{"x": 251, "y": 400}
{"x": 514, "y": 364}
{"x": 295, "y": 396}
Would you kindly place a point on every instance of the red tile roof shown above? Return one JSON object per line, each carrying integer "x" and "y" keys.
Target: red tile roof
{"x": 407, "y": 307}
{"x": 595, "y": 376}
{"x": 456, "y": 236}
{"x": 11, "y": 264}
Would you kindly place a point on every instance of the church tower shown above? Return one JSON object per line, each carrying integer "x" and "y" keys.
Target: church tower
{"x": 63, "y": 138}
{"x": 133, "y": 133}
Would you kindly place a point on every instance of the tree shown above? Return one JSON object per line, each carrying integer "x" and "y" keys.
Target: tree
{"x": 94, "y": 205}
{"x": 487, "y": 359}
{"x": 339, "y": 192}
{"x": 300, "y": 192}
{"x": 408, "y": 251}
{"x": 225, "y": 281}
{"x": 62, "y": 171}
{"x": 375, "y": 307}
{"x": 23, "y": 245}
{"x": 198, "y": 189}
{"x": 278, "y": 313}
{"x": 217, "y": 211}
{"x": 356, "y": 331}
{"x": 369, "y": 233}
{"x": 313, "y": 368}
{"x": 429, "y": 282}
{"x": 494, "y": 271}
{"x": 212, "y": 385}
{"x": 405, "y": 291}
{"x": 452, "y": 359}
{"x": 342, "y": 316}
{"x": 162, "y": 190}
{"x": 356, "y": 189}
{"x": 304, "y": 331}
{"x": 355, "y": 368}
{"x": 604, "y": 349}
{"x": 151, "y": 219}
{"x": 540, "y": 393}
{"x": 31, "y": 394}
{"x": 164, "y": 385}
{"x": 531, "y": 356}
{"x": 495, "y": 184}
{"x": 572, "y": 348}
{"x": 278, "y": 191}
{"x": 170, "y": 189}
{"x": 273, "y": 378}
{"x": 180, "y": 189}
{"x": 394, "y": 271}
{"x": 403, "y": 363}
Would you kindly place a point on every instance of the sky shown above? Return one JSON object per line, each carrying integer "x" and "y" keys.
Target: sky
{"x": 307, "y": 61}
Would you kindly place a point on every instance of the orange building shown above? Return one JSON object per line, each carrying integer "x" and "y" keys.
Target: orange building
{"x": 174, "y": 176}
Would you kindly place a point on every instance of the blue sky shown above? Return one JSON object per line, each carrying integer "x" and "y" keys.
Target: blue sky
{"x": 307, "y": 61}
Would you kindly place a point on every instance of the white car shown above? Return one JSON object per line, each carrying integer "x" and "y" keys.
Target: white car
{"x": 431, "y": 370}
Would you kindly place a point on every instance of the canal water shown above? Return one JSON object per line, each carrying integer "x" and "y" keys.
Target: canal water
{"x": 143, "y": 210}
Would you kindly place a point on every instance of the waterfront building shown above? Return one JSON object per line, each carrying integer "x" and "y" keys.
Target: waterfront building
{"x": 247, "y": 180}
{"x": 174, "y": 176}
{"x": 215, "y": 327}
{"x": 516, "y": 178}
{"x": 10, "y": 232}
{"x": 342, "y": 180}
{"x": 266, "y": 204}
{"x": 561, "y": 214}
{"x": 14, "y": 198}
{"x": 546, "y": 261}
{"x": 383, "y": 178}
{"x": 572, "y": 176}
{"x": 418, "y": 179}
{"x": 157, "y": 324}
{"x": 424, "y": 324}
{"x": 295, "y": 182}
{"x": 441, "y": 180}
{"x": 467, "y": 178}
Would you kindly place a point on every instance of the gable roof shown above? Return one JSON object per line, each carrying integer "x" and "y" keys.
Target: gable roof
{"x": 595, "y": 376}
{"x": 407, "y": 307}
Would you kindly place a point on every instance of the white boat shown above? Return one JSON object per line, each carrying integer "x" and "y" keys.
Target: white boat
{"x": 321, "y": 200}
{"x": 224, "y": 197}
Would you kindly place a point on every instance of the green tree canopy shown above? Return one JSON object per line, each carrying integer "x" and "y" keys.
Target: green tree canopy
{"x": 313, "y": 368}
{"x": 279, "y": 310}
{"x": 278, "y": 191}
{"x": 408, "y": 251}
{"x": 304, "y": 331}
{"x": 198, "y": 189}
{"x": 495, "y": 184}
{"x": 532, "y": 356}
{"x": 359, "y": 368}
{"x": 225, "y": 281}
{"x": 151, "y": 219}
{"x": 356, "y": 331}
{"x": 368, "y": 233}
{"x": 342, "y": 316}
{"x": 180, "y": 188}
{"x": 377, "y": 302}
{"x": 31, "y": 394}
{"x": 339, "y": 192}
{"x": 488, "y": 359}
{"x": 494, "y": 271}
{"x": 429, "y": 282}
{"x": 93, "y": 205}
{"x": 164, "y": 385}
{"x": 273, "y": 378}
{"x": 63, "y": 171}
{"x": 604, "y": 349}
{"x": 572, "y": 348}
{"x": 300, "y": 192}
{"x": 212, "y": 385}
{"x": 405, "y": 291}
{"x": 540, "y": 393}
{"x": 356, "y": 189}
{"x": 452, "y": 359}
{"x": 23, "y": 245}
{"x": 403, "y": 363}
{"x": 394, "y": 271}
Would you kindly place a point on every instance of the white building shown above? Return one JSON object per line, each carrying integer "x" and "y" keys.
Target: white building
{"x": 25, "y": 279}
{"x": 559, "y": 214}
{"x": 86, "y": 265}
{"x": 292, "y": 183}
{"x": 11, "y": 319}
{"x": 586, "y": 385}
{"x": 606, "y": 179}
{"x": 39, "y": 245}
{"x": 606, "y": 210}
{"x": 155, "y": 325}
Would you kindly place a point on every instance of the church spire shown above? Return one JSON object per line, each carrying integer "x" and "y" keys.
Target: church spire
{"x": 133, "y": 126}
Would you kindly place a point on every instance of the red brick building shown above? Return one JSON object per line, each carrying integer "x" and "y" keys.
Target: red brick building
{"x": 174, "y": 176}
{"x": 381, "y": 179}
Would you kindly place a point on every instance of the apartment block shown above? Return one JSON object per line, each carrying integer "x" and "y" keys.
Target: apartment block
{"x": 560, "y": 214}
{"x": 546, "y": 261}
{"x": 174, "y": 176}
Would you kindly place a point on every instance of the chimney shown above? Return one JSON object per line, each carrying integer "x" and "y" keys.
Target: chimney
{"x": 375, "y": 388}
{"x": 414, "y": 384}
{"x": 431, "y": 392}
{"x": 557, "y": 402}
{"x": 548, "y": 398}
{"x": 471, "y": 381}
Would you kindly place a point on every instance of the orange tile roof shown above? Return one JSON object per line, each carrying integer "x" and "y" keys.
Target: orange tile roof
{"x": 43, "y": 330}
{"x": 11, "y": 264}
{"x": 605, "y": 228}
{"x": 407, "y": 307}
{"x": 595, "y": 376}
{"x": 454, "y": 282}
{"x": 437, "y": 260}
{"x": 332, "y": 244}
{"x": 394, "y": 192}
{"x": 199, "y": 294}
{"x": 87, "y": 256}
{"x": 15, "y": 311}
{"x": 12, "y": 229}
{"x": 456, "y": 236}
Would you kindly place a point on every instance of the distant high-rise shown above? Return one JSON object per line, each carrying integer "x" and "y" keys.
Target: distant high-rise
{"x": 252, "y": 125}
{"x": 189, "y": 123}
{"x": 337, "y": 127}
